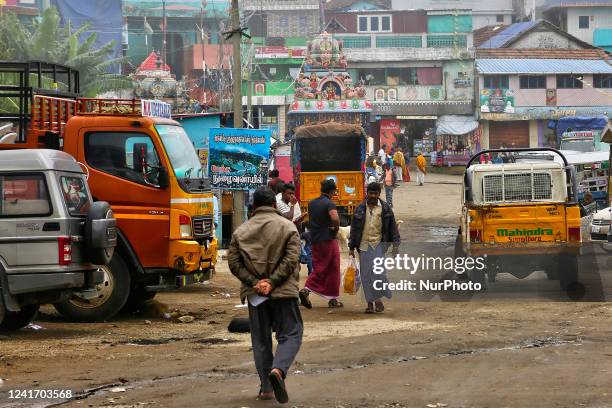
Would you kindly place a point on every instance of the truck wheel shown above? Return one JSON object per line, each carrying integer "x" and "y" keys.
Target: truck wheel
{"x": 113, "y": 293}
{"x": 568, "y": 274}
{"x": 2, "y": 308}
{"x": 17, "y": 320}
{"x": 138, "y": 296}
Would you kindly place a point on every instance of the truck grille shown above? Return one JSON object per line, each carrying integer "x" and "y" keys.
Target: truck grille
{"x": 202, "y": 227}
{"x": 517, "y": 187}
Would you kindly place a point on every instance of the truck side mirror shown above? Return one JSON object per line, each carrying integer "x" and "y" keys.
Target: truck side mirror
{"x": 163, "y": 180}
{"x": 140, "y": 157}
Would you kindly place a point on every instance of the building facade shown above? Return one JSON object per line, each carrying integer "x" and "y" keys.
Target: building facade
{"x": 525, "y": 88}
{"x": 589, "y": 21}
{"x": 416, "y": 67}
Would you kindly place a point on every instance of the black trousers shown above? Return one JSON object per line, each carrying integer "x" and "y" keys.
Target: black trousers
{"x": 283, "y": 317}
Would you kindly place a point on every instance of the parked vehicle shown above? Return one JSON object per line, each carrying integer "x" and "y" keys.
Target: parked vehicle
{"x": 600, "y": 224}
{"x": 139, "y": 161}
{"x": 55, "y": 242}
{"x": 523, "y": 215}
{"x": 330, "y": 150}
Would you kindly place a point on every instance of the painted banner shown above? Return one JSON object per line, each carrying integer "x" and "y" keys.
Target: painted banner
{"x": 497, "y": 100}
{"x": 238, "y": 158}
{"x": 388, "y": 129}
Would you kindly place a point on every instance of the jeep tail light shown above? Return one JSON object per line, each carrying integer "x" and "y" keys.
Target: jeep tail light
{"x": 573, "y": 234}
{"x": 474, "y": 235}
{"x": 64, "y": 245}
{"x": 185, "y": 226}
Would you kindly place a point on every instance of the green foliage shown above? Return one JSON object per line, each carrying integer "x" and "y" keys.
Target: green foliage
{"x": 46, "y": 40}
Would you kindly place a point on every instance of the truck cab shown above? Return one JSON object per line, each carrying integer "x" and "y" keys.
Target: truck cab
{"x": 54, "y": 238}
{"x": 522, "y": 215}
{"x": 145, "y": 166}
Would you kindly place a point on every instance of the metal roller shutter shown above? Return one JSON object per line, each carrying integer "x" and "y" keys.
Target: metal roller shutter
{"x": 510, "y": 134}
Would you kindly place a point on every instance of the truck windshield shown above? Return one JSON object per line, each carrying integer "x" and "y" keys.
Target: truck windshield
{"x": 181, "y": 152}
{"x": 582, "y": 145}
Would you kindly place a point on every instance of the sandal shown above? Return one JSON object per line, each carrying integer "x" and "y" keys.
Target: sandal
{"x": 370, "y": 308}
{"x": 379, "y": 307}
{"x": 265, "y": 395}
{"x": 335, "y": 304}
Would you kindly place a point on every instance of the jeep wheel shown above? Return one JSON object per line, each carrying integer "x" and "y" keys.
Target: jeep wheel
{"x": 113, "y": 293}
{"x": 2, "y": 309}
{"x": 568, "y": 276}
{"x": 138, "y": 296}
{"x": 17, "y": 320}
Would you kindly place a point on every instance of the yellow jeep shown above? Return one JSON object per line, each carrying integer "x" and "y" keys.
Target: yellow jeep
{"x": 522, "y": 214}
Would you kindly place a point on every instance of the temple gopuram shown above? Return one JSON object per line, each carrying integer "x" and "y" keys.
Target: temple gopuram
{"x": 324, "y": 90}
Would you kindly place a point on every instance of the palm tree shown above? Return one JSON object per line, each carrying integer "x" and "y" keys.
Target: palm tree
{"x": 46, "y": 40}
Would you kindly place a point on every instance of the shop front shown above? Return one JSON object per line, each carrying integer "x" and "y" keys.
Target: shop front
{"x": 457, "y": 139}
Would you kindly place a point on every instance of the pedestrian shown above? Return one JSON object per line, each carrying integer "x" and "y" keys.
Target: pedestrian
{"x": 421, "y": 169}
{"x": 373, "y": 230}
{"x": 382, "y": 155}
{"x": 264, "y": 254}
{"x": 401, "y": 168}
{"x": 323, "y": 224}
{"x": 388, "y": 180}
{"x": 274, "y": 181}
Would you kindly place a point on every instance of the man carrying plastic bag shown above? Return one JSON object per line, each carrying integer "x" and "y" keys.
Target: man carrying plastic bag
{"x": 373, "y": 230}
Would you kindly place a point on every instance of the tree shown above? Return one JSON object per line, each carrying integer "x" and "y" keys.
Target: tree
{"x": 46, "y": 40}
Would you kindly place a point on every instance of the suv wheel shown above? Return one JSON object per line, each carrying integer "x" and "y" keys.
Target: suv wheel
{"x": 17, "y": 320}
{"x": 113, "y": 293}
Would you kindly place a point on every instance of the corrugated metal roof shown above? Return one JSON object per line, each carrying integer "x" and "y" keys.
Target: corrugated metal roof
{"x": 507, "y": 34}
{"x": 542, "y": 66}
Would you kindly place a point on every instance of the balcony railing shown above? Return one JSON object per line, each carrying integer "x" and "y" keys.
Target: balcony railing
{"x": 363, "y": 41}
{"x": 446, "y": 41}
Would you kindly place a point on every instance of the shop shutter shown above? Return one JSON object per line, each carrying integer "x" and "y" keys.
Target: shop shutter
{"x": 510, "y": 134}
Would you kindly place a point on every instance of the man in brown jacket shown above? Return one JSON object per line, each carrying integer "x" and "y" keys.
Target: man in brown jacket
{"x": 264, "y": 254}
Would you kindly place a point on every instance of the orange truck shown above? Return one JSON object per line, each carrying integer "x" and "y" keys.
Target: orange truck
{"x": 330, "y": 151}
{"x": 137, "y": 159}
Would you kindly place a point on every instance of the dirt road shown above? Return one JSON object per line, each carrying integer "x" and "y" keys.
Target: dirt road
{"x": 505, "y": 350}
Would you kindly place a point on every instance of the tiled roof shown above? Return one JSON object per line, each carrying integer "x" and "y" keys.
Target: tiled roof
{"x": 542, "y": 53}
{"x": 542, "y": 66}
{"x": 150, "y": 64}
{"x": 484, "y": 33}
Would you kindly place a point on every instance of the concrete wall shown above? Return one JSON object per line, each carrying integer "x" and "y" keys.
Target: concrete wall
{"x": 452, "y": 70}
{"x": 602, "y": 17}
{"x": 587, "y": 96}
{"x": 383, "y": 55}
{"x": 545, "y": 39}
{"x": 476, "y": 5}
{"x": 483, "y": 20}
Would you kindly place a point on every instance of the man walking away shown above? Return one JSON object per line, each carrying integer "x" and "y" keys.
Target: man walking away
{"x": 264, "y": 254}
{"x": 421, "y": 170}
{"x": 372, "y": 231}
{"x": 388, "y": 180}
{"x": 323, "y": 224}
{"x": 274, "y": 181}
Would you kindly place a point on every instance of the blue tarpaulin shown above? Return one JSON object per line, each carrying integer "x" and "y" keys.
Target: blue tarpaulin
{"x": 104, "y": 16}
{"x": 578, "y": 123}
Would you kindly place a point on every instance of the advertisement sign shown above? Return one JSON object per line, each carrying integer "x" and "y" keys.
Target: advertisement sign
{"x": 551, "y": 97}
{"x": 279, "y": 52}
{"x": 497, "y": 100}
{"x": 388, "y": 129}
{"x": 532, "y": 113}
{"x": 238, "y": 158}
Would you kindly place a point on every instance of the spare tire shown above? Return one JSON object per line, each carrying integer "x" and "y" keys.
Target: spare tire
{"x": 100, "y": 233}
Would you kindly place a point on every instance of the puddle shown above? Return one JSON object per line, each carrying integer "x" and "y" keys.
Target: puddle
{"x": 440, "y": 234}
{"x": 213, "y": 341}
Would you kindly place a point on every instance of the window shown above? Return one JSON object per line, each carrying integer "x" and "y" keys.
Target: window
{"x": 24, "y": 195}
{"x": 602, "y": 81}
{"x": 363, "y": 24}
{"x": 303, "y": 21}
{"x": 283, "y": 21}
{"x": 583, "y": 21}
{"x": 499, "y": 18}
{"x": 496, "y": 81}
{"x": 75, "y": 195}
{"x": 569, "y": 81}
{"x": 533, "y": 82}
{"x": 401, "y": 76}
{"x": 131, "y": 156}
{"x": 373, "y": 76}
{"x": 375, "y": 24}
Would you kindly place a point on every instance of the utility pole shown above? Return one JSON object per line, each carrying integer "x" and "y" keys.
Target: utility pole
{"x": 236, "y": 67}
{"x": 164, "y": 24}
{"x": 250, "y": 86}
{"x": 240, "y": 197}
{"x": 322, "y": 15}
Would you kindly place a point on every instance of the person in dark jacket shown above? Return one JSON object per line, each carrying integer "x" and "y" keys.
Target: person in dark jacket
{"x": 373, "y": 231}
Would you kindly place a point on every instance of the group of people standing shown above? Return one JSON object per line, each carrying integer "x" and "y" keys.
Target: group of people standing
{"x": 265, "y": 253}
